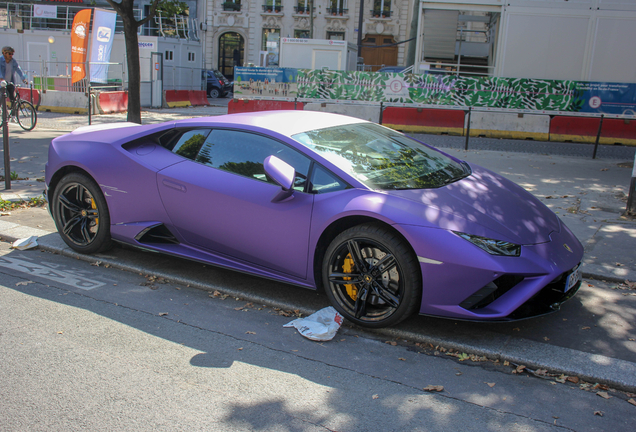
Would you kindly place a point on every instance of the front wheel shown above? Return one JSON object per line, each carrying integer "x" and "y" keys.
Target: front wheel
{"x": 214, "y": 93}
{"x": 81, "y": 214}
{"x": 372, "y": 276}
{"x": 26, "y": 116}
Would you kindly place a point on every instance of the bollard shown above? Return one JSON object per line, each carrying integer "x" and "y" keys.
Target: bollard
{"x": 89, "y": 105}
{"x": 468, "y": 129}
{"x": 381, "y": 111}
{"x": 31, "y": 92}
{"x": 598, "y": 137}
{"x": 631, "y": 197}
{"x": 5, "y": 136}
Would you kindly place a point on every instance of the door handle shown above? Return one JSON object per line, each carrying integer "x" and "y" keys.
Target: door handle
{"x": 173, "y": 185}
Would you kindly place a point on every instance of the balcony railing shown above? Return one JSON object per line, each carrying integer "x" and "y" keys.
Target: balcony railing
{"x": 272, "y": 8}
{"x": 302, "y": 10}
{"x": 337, "y": 11}
{"x": 377, "y": 13}
{"x": 231, "y": 7}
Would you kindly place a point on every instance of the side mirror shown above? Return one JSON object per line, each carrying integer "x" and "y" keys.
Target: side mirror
{"x": 283, "y": 175}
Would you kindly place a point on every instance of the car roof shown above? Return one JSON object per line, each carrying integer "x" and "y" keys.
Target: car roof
{"x": 287, "y": 122}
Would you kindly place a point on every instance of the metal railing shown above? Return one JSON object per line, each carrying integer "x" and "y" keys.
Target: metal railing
{"x": 57, "y": 75}
{"x": 337, "y": 11}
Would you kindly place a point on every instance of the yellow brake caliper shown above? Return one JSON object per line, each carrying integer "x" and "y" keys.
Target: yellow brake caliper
{"x": 347, "y": 267}
{"x": 94, "y": 206}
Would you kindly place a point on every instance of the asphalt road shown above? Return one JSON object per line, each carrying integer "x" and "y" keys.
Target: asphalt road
{"x": 90, "y": 347}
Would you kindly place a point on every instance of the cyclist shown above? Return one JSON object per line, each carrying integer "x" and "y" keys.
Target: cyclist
{"x": 8, "y": 68}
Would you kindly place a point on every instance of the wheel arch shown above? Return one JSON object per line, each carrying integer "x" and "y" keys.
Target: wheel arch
{"x": 340, "y": 225}
{"x": 59, "y": 175}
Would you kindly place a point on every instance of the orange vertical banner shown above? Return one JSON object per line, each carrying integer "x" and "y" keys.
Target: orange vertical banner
{"x": 79, "y": 44}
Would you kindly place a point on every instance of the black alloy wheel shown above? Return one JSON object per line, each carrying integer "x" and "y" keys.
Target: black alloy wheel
{"x": 81, "y": 214}
{"x": 371, "y": 276}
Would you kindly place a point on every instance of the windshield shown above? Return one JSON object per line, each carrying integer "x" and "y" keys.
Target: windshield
{"x": 382, "y": 158}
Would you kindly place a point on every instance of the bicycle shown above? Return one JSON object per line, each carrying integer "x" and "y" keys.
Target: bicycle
{"x": 22, "y": 111}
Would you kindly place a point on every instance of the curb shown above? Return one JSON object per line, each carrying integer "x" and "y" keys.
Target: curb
{"x": 593, "y": 368}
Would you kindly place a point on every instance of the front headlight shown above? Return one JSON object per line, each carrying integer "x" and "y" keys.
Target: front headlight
{"x": 493, "y": 247}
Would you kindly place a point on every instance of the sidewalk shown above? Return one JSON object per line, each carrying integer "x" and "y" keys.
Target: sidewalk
{"x": 588, "y": 194}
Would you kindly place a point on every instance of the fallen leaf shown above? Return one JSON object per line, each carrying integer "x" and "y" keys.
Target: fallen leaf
{"x": 545, "y": 338}
{"x": 240, "y": 349}
{"x": 491, "y": 385}
{"x": 401, "y": 358}
{"x": 163, "y": 313}
{"x": 506, "y": 363}
{"x": 519, "y": 369}
{"x": 24, "y": 283}
{"x": 239, "y": 308}
{"x": 375, "y": 396}
{"x": 585, "y": 328}
{"x": 96, "y": 263}
{"x": 250, "y": 332}
{"x": 603, "y": 394}
{"x": 598, "y": 413}
{"x": 392, "y": 343}
{"x": 541, "y": 372}
{"x": 632, "y": 401}
{"x": 573, "y": 379}
{"x": 60, "y": 332}
{"x": 604, "y": 169}
{"x": 432, "y": 388}
{"x": 600, "y": 386}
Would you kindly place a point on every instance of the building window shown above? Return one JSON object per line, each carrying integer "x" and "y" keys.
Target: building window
{"x": 272, "y": 6}
{"x": 301, "y": 34}
{"x": 232, "y": 5}
{"x": 269, "y": 44}
{"x": 337, "y": 7}
{"x": 335, "y": 35}
{"x": 303, "y": 7}
{"x": 190, "y": 56}
{"x": 381, "y": 8}
{"x": 169, "y": 55}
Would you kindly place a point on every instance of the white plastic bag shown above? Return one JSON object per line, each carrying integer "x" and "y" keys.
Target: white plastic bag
{"x": 25, "y": 243}
{"x": 319, "y": 326}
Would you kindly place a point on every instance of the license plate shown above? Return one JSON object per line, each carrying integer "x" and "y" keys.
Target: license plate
{"x": 573, "y": 278}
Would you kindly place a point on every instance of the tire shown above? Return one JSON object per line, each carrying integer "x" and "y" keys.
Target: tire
{"x": 81, "y": 214}
{"x": 371, "y": 276}
{"x": 214, "y": 93}
{"x": 26, "y": 116}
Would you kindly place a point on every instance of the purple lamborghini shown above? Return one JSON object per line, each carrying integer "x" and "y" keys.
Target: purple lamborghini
{"x": 385, "y": 224}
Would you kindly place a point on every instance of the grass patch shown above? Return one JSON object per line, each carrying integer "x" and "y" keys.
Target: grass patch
{"x": 15, "y": 205}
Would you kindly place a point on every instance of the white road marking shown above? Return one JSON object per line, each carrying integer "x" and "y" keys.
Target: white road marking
{"x": 48, "y": 273}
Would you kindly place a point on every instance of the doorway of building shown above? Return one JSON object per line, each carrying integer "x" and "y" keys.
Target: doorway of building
{"x": 231, "y": 53}
{"x": 378, "y": 51}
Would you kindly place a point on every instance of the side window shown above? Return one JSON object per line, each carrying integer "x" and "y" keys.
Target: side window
{"x": 322, "y": 181}
{"x": 243, "y": 153}
{"x": 190, "y": 143}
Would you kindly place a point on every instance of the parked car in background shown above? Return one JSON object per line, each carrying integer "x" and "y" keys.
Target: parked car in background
{"x": 216, "y": 84}
{"x": 391, "y": 69}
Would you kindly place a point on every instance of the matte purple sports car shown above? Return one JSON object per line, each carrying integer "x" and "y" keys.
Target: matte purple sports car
{"x": 387, "y": 225}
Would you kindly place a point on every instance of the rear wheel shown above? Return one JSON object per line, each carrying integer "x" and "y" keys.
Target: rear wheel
{"x": 81, "y": 214}
{"x": 214, "y": 93}
{"x": 371, "y": 276}
{"x": 26, "y": 115}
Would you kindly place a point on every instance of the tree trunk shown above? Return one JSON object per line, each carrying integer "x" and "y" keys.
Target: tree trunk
{"x": 134, "y": 74}
{"x": 127, "y": 14}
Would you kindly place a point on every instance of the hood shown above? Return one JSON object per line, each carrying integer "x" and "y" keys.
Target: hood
{"x": 485, "y": 203}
